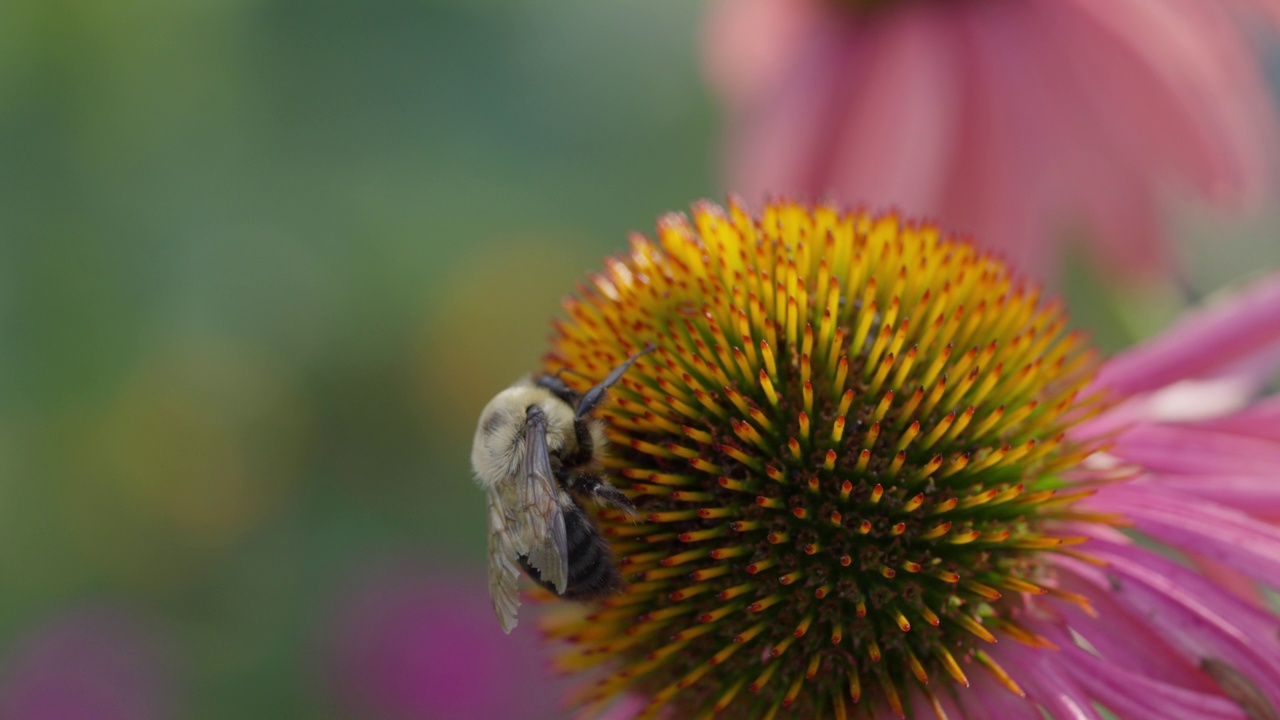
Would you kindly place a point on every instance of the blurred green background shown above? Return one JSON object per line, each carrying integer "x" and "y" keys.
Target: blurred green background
{"x": 261, "y": 264}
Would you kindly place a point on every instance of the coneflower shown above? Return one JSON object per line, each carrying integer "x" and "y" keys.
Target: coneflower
{"x": 1023, "y": 122}
{"x": 860, "y": 452}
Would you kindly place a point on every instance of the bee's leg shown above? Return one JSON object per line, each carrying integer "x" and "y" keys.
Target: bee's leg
{"x": 586, "y": 451}
{"x": 595, "y": 395}
{"x": 597, "y": 488}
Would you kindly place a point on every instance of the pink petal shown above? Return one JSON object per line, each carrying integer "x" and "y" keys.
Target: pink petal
{"x": 750, "y": 43}
{"x": 1185, "y": 401}
{"x": 1040, "y": 674}
{"x": 1260, "y": 420}
{"x": 1097, "y": 180}
{"x": 1182, "y": 450}
{"x": 1120, "y": 636}
{"x": 1261, "y": 625}
{"x": 898, "y": 127}
{"x": 998, "y": 163}
{"x": 1207, "y": 343}
{"x": 987, "y": 699}
{"x": 1219, "y": 533}
{"x": 948, "y": 702}
{"x": 773, "y": 145}
{"x": 1133, "y": 695}
{"x": 1198, "y": 620}
{"x": 1172, "y": 89}
{"x": 1257, "y": 495}
{"x": 1230, "y": 579}
{"x": 1008, "y": 120}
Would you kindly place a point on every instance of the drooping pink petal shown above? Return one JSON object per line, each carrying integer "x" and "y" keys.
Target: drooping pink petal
{"x": 920, "y": 705}
{"x": 987, "y": 698}
{"x": 762, "y": 153}
{"x": 1178, "y": 449}
{"x": 1168, "y": 86}
{"x": 884, "y": 152}
{"x": 1253, "y": 494}
{"x": 735, "y": 61}
{"x": 1045, "y": 682}
{"x": 1023, "y": 123}
{"x": 1207, "y": 343}
{"x": 1134, "y": 695}
{"x": 1116, "y": 200}
{"x": 1199, "y": 620}
{"x": 1122, "y": 636}
{"x": 1241, "y": 585}
{"x": 946, "y": 700}
{"x": 1260, "y": 420}
{"x": 1218, "y": 533}
{"x": 1002, "y": 118}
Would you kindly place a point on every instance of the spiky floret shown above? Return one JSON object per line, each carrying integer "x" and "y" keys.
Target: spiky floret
{"x": 844, "y": 451}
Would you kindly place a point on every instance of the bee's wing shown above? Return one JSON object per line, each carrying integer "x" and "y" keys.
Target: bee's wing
{"x": 503, "y": 573}
{"x": 541, "y": 518}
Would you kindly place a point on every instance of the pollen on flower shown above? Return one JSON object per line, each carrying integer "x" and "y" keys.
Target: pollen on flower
{"x": 844, "y": 452}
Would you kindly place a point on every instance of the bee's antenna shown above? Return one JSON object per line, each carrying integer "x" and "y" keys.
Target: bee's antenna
{"x": 595, "y": 395}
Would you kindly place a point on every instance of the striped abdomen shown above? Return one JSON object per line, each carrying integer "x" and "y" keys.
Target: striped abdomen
{"x": 592, "y": 571}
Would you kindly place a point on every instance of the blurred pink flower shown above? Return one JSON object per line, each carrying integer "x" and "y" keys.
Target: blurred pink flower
{"x": 1016, "y": 121}
{"x": 412, "y": 644}
{"x": 86, "y": 665}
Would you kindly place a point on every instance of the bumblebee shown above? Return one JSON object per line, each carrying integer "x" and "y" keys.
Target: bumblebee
{"x": 537, "y": 451}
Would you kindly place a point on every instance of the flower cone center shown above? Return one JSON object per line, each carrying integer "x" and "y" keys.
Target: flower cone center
{"x": 844, "y": 452}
